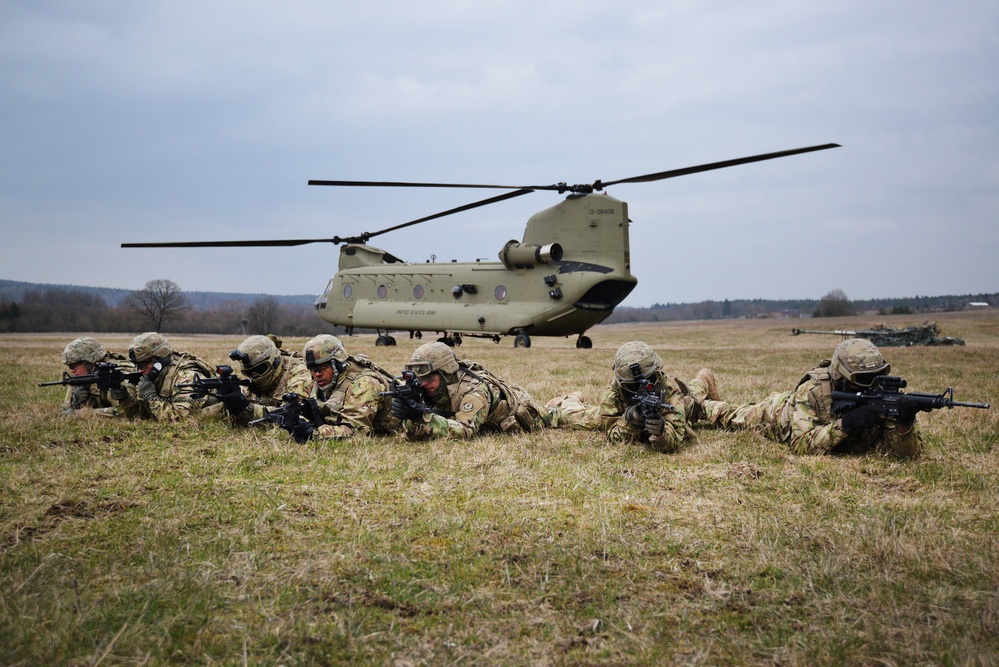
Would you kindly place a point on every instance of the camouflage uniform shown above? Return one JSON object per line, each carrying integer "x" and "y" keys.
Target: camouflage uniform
{"x": 804, "y": 420}
{"x": 156, "y": 396}
{"x": 471, "y": 399}
{"x": 679, "y": 405}
{"x": 272, "y": 372}
{"x": 352, "y": 402}
{"x": 91, "y": 352}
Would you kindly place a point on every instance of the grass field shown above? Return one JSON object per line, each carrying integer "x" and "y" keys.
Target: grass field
{"x": 128, "y": 543}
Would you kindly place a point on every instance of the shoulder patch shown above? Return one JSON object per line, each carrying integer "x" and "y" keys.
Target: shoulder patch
{"x": 470, "y": 405}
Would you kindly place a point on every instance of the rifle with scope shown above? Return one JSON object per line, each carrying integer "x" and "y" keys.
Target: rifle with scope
{"x": 290, "y": 416}
{"x": 225, "y": 383}
{"x": 885, "y": 396}
{"x": 106, "y": 376}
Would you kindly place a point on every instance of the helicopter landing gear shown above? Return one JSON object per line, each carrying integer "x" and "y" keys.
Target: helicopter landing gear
{"x": 384, "y": 340}
{"x": 584, "y": 342}
{"x": 454, "y": 340}
{"x": 522, "y": 340}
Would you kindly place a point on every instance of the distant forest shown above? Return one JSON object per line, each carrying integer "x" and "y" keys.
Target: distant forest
{"x": 31, "y": 307}
{"x": 793, "y": 308}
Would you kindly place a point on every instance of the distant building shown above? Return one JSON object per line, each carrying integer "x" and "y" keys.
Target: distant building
{"x": 978, "y": 304}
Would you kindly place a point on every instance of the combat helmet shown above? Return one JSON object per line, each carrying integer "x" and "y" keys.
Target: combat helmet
{"x": 858, "y": 361}
{"x": 260, "y": 361}
{"x": 150, "y": 345}
{"x": 85, "y": 349}
{"x": 324, "y": 349}
{"x": 630, "y": 354}
{"x": 433, "y": 357}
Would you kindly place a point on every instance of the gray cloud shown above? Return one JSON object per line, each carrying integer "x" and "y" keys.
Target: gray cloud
{"x": 193, "y": 121}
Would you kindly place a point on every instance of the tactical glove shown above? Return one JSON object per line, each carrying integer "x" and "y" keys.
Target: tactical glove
{"x": 301, "y": 431}
{"x": 907, "y": 409}
{"x": 234, "y": 401}
{"x": 409, "y": 407}
{"x": 118, "y": 393}
{"x": 147, "y": 390}
{"x": 655, "y": 426}
{"x": 857, "y": 421}
{"x": 633, "y": 416}
{"x": 81, "y": 396}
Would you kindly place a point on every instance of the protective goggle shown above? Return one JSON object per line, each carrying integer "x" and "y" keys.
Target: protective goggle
{"x": 420, "y": 368}
{"x": 867, "y": 379}
{"x": 251, "y": 370}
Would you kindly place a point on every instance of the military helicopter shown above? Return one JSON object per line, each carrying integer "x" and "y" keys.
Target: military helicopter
{"x": 568, "y": 273}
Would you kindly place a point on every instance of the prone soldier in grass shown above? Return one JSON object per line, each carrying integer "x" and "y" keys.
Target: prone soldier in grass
{"x": 461, "y": 398}
{"x": 810, "y": 421}
{"x": 349, "y": 390}
{"x": 81, "y": 357}
{"x": 642, "y": 404}
{"x": 272, "y": 373}
{"x": 156, "y": 394}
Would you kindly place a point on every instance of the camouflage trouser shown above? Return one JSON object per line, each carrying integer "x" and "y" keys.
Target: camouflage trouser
{"x": 763, "y": 416}
{"x": 570, "y": 411}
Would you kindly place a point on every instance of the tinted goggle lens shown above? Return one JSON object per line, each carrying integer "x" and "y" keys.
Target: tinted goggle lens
{"x": 420, "y": 368}
{"x": 866, "y": 379}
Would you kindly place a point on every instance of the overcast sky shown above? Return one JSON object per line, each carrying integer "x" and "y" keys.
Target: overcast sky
{"x": 191, "y": 121}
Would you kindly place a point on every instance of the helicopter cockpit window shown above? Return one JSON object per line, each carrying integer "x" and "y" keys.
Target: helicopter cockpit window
{"x": 382, "y": 291}
{"x": 347, "y": 289}
{"x": 418, "y": 292}
{"x": 500, "y": 292}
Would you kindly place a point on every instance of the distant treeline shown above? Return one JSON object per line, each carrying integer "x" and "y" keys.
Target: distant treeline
{"x": 792, "y": 308}
{"x": 29, "y": 307}
{"x": 43, "y": 308}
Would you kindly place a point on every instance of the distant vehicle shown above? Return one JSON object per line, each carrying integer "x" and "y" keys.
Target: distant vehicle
{"x": 570, "y": 271}
{"x": 885, "y": 336}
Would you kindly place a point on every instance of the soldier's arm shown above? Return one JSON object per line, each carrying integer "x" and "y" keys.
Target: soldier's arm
{"x": 475, "y": 407}
{"x": 812, "y": 431}
{"x": 175, "y": 406}
{"x": 356, "y": 414}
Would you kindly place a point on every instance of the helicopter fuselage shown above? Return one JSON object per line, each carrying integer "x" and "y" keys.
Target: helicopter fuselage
{"x": 569, "y": 272}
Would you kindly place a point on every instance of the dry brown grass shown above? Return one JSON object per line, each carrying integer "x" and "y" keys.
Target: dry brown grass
{"x": 139, "y": 543}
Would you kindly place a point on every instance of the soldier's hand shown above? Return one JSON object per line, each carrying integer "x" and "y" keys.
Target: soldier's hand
{"x": 81, "y": 396}
{"x": 409, "y": 407}
{"x": 234, "y": 401}
{"x": 857, "y": 421}
{"x": 301, "y": 432}
{"x": 655, "y": 426}
{"x": 118, "y": 393}
{"x": 907, "y": 409}
{"x": 633, "y": 416}
{"x": 147, "y": 390}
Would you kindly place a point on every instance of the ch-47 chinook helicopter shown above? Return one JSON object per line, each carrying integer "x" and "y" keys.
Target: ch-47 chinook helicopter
{"x": 568, "y": 273}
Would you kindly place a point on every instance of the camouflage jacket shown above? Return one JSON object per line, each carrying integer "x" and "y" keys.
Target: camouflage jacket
{"x": 353, "y": 405}
{"x": 170, "y": 404}
{"x": 478, "y": 400}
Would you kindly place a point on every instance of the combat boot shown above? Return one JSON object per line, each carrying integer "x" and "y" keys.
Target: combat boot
{"x": 703, "y": 387}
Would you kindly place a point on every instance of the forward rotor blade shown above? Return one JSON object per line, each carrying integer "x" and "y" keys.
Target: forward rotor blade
{"x": 466, "y": 207}
{"x": 713, "y": 165}
{"x": 401, "y": 184}
{"x": 232, "y": 244}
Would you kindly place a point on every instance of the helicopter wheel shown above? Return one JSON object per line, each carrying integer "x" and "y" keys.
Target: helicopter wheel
{"x": 584, "y": 342}
{"x": 447, "y": 340}
{"x": 384, "y": 340}
{"x": 522, "y": 340}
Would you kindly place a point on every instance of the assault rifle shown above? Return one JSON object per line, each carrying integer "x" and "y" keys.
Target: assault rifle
{"x": 106, "y": 376}
{"x": 225, "y": 383}
{"x": 646, "y": 400}
{"x": 289, "y": 416}
{"x": 406, "y": 386}
{"x": 884, "y": 396}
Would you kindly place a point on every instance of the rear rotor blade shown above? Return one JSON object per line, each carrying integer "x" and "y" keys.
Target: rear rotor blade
{"x": 466, "y": 207}
{"x": 672, "y": 173}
